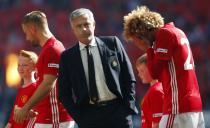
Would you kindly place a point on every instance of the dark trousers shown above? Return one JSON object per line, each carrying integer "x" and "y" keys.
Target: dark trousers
{"x": 112, "y": 115}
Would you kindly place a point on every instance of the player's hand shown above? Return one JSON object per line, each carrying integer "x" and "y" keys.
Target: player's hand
{"x": 20, "y": 114}
{"x": 8, "y": 125}
{"x": 32, "y": 114}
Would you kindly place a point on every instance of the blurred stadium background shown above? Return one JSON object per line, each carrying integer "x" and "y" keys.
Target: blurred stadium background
{"x": 192, "y": 16}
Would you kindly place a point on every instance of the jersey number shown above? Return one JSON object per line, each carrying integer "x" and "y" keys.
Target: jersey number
{"x": 187, "y": 64}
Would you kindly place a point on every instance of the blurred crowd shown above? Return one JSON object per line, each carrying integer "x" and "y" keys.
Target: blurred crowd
{"x": 192, "y": 16}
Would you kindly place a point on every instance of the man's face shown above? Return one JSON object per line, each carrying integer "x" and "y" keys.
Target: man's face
{"x": 140, "y": 43}
{"x": 30, "y": 33}
{"x": 83, "y": 27}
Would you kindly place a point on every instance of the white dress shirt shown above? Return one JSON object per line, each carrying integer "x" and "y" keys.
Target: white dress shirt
{"x": 104, "y": 93}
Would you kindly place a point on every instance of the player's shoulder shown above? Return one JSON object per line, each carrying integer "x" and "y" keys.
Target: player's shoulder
{"x": 54, "y": 48}
{"x": 56, "y": 45}
{"x": 34, "y": 84}
{"x": 157, "y": 88}
{"x": 172, "y": 31}
{"x": 158, "y": 85}
{"x": 166, "y": 32}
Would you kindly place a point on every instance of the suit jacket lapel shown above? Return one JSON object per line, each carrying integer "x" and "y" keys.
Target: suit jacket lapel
{"x": 103, "y": 52}
{"x": 104, "y": 60}
{"x": 80, "y": 69}
{"x": 79, "y": 61}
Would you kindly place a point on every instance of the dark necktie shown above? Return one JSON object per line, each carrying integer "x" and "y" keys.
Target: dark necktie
{"x": 91, "y": 73}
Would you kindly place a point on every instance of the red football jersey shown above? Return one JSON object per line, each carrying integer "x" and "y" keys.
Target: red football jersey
{"x": 50, "y": 109}
{"x": 151, "y": 106}
{"x": 23, "y": 95}
{"x": 172, "y": 63}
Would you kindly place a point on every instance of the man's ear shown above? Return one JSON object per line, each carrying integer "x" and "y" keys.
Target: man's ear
{"x": 94, "y": 24}
{"x": 32, "y": 28}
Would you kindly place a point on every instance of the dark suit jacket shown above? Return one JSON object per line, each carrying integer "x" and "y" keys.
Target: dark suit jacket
{"x": 73, "y": 91}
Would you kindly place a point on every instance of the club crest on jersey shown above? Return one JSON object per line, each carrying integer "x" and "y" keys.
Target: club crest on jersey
{"x": 162, "y": 50}
{"x": 24, "y": 98}
{"x": 53, "y": 65}
{"x": 114, "y": 63}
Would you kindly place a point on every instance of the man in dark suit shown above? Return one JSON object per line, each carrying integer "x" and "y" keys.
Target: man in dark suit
{"x": 96, "y": 80}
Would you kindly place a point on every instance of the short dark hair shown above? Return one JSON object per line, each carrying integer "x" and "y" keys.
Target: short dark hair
{"x": 80, "y": 12}
{"x": 37, "y": 18}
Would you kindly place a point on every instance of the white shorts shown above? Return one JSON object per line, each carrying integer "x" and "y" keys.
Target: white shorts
{"x": 183, "y": 120}
{"x": 69, "y": 124}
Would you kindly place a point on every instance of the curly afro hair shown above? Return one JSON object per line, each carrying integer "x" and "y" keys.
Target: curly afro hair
{"x": 140, "y": 21}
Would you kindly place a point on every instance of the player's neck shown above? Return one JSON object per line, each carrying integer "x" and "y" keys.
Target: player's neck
{"x": 153, "y": 82}
{"x": 27, "y": 81}
{"x": 44, "y": 36}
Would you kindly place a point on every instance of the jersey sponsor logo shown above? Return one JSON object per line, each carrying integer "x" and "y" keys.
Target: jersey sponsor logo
{"x": 162, "y": 50}
{"x": 24, "y": 98}
{"x": 53, "y": 65}
{"x": 157, "y": 114}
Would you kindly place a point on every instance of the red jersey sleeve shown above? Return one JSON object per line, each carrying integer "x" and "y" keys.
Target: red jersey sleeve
{"x": 154, "y": 65}
{"x": 164, "y": 44}
{"x": 51, "y": 61}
